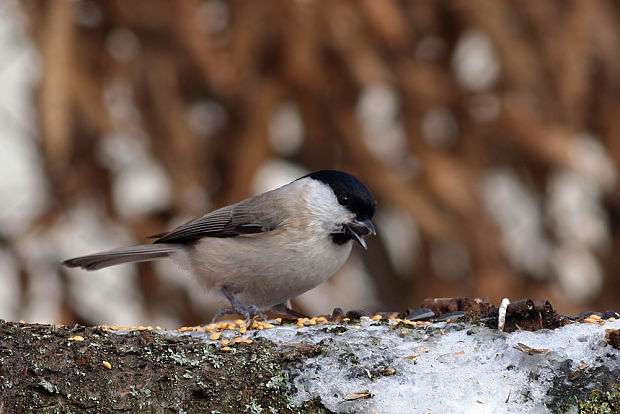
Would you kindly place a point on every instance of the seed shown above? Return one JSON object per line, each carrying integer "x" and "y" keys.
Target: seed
{"x": 226, "y": 349}
{"x": 106, "y": 364}
{"x": 224, "y": 342}
{"x": 215, "y": 336}
{"x": 76, "y": 338}
{"x": 376, "y": 318}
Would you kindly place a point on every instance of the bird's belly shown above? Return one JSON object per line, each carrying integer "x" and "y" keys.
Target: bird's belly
{"x": 265, "y": 273}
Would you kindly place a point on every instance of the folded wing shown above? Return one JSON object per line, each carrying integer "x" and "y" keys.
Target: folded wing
{"x": 254, "y": 215}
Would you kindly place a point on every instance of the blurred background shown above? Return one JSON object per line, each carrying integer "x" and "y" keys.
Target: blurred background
{"x": 489, "y": 132}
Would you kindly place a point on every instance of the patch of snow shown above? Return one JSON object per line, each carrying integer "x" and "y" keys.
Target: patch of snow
{"x": 470, "y": 369}
{"x": 460, "y": 373}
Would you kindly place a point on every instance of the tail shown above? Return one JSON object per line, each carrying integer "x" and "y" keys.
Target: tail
{"x": 141, "y": 253}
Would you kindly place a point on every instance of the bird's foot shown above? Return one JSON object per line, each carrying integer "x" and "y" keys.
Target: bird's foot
{"x": 237, "y": 308}
{"x": 246, "y": 312}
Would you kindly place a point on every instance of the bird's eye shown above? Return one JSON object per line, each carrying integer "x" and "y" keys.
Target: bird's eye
{"x": 343, "y": 200}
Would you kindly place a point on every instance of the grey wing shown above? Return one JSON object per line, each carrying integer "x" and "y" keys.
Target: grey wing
{"x": 254, "y": 215}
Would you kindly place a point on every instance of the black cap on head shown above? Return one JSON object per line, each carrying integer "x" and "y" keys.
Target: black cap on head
{"x": 350, "y": 192}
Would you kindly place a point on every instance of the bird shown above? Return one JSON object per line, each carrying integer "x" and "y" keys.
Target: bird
{"x": 263, "y": 251}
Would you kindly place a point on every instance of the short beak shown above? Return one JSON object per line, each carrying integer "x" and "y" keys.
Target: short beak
{"x": 360, "y": 228}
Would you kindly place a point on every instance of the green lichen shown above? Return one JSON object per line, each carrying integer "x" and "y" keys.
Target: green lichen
{"x": 602, "y": 402}
{"x": 589, "y": 391}
{"x": 253, "y": 407}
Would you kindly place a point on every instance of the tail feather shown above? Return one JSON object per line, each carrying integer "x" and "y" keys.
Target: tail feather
{"x": 140, "y": 253}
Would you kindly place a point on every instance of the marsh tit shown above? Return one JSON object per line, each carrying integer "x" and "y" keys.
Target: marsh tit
{"x": 263, "y": 251}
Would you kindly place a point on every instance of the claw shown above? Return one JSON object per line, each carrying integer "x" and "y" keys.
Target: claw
{"x": 222, "y": 312}
{"x": 237, "y": 308}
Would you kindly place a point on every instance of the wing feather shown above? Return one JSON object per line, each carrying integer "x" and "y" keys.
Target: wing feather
{"x": 253, "y": 215}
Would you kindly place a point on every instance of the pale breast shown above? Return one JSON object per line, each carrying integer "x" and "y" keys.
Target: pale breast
{"x": 268, "y": 269}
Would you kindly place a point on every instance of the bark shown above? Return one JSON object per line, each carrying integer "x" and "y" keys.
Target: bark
{"x": 43, "y": 371}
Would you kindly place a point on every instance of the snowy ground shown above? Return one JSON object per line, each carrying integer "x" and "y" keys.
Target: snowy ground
{"x": 444, "y": 368}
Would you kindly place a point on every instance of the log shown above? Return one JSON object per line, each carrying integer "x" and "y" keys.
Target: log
{"x": 315, "y": 365}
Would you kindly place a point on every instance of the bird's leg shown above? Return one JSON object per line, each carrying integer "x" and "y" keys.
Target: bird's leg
{"x": 285, "y": 309}
{"x": 237, "y": 307}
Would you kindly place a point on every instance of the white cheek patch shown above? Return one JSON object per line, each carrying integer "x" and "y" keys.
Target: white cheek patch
{"x": 324, "y": 205}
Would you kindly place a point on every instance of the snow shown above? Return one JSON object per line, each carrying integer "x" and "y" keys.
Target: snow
{"x": 467, "y": 369}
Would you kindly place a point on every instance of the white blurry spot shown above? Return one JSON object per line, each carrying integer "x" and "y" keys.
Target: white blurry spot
{"x": 116, "y": 151}
{"x": 286, "y": 129}
{"x": 450, "y": 261}
{"x": 590, "y": 159}
{"x": 579, "y": 275}
{"x": 575, "y": 212}
{"x": 430, "y": 48}
{"x": 122, "y": 44}
{"x": 350, "y": 288}
{"x": 401, "y": 236}
{"x": 89, "y": 13}
{"x": 23, "y": 188}
{"x": 515, "y": 210}
{"x": 10, "y": 292}
{"x": 275, "y": 173}
{"x": 118, "y": 99}
{"x": 474, "y": 61}
{"x": 377, "y": 111}
{"x": 439, "y": 127}
{"x": 206, "y": 117}
{"x": 107, "y": 296}
{"x": 484, "y": 107}
{"x": 141, "y": 188}
{"x": 213, "y": 17}
{"x": 140, "y": 184}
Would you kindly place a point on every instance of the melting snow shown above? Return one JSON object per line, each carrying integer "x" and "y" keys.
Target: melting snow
{"x": 470, "y": 369}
